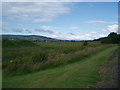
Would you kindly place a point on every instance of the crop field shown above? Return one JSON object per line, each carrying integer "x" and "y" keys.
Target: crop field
{"x": 54, "y": 64}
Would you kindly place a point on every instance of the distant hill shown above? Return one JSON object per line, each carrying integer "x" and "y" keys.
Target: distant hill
{"x": 28, "y": 37}
{"x": 17, "y": 43}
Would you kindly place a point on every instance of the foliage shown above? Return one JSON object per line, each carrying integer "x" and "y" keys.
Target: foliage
{"x": 85, "y": 43}
{"x": 112, "y": 38}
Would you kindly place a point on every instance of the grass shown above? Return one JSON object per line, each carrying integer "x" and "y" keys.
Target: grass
{"x": 44, "y": 56}
{"x": 109, "y": 72}
{"x": 16, "y": 43}
{"x": 81, "y": 74}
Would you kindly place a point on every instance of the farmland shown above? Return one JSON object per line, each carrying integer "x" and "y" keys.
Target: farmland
{"x": 54, "y": 64}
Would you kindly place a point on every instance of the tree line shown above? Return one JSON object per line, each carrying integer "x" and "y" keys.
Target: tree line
{"x": 112, "y": 38}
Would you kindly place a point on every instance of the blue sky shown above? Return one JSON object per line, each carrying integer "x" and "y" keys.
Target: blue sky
{"x": 61, "y": 20}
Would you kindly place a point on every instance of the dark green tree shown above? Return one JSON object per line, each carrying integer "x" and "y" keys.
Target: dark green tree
{"x": 85, "y": 43}
{"x": 112, "y": 38}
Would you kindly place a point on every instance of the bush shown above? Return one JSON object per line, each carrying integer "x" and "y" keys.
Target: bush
{"x": 85, "y": 43}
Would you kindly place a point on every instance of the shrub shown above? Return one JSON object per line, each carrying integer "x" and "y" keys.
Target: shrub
{"x": 85, "y": 43}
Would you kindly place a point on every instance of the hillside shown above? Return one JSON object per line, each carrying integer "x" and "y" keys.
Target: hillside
{"x": 16, "y": 43}
{"x": 28, "y": 37}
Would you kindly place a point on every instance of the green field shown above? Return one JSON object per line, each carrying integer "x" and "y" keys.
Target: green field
{"x": 65, "y": 65}
{"x": 44, "y": 55}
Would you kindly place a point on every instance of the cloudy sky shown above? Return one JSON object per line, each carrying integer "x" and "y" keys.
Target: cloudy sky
{"x": 61, "y": 20}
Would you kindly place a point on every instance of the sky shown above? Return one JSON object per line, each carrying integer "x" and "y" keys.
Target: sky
{"x": 60, "y": 20}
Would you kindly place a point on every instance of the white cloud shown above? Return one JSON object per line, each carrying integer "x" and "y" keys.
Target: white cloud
{"x": 34, "y": 12}
{"x": 16, "y": 30}
{"x": 102, "y": 35}
{"x": 55, "y": 32}
{"x": 52, "y": 32}
{"x": 111, "y": 28}
{"x": 118, "y": 29}
{"x": 63, "y": 36}
{"x": 102, "y": 22}
{"x": 48, "y": 29}
{"x": 99, "y": 34}
{"x": 60, "y": 36}
{"x": 44, "y": 31}
{"x": 88, "y": 36}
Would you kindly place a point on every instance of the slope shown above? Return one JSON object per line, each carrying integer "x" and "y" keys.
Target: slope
{"x": 17, "y": 43}
{"x": 28, "y": 37}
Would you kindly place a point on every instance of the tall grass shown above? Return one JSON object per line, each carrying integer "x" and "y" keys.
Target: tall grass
{"x": 71, "y": 57}
{"x": 46, "y": 55}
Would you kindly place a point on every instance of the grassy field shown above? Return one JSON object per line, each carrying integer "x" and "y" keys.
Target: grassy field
{"x": 44, "y": 55}
{"x": 82, "y": 73}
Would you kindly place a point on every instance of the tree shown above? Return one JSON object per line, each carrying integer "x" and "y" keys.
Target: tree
{"x": 85, "y": 43}
{"x": 111, "y": 38}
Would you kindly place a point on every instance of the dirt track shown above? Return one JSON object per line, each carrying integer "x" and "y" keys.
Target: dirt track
{"x": 110, "y": 72}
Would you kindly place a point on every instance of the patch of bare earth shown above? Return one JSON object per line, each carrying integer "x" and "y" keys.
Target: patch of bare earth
{"x": 109, "y": 73}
